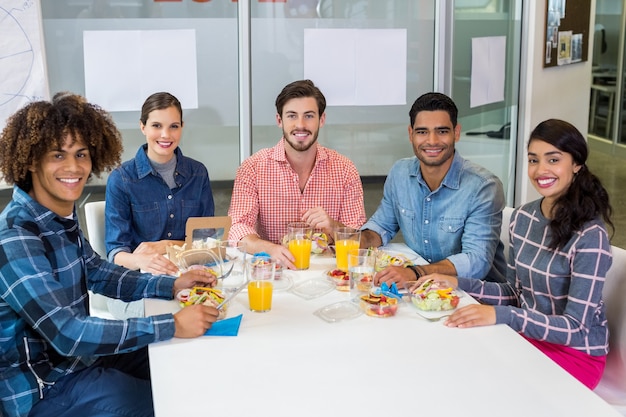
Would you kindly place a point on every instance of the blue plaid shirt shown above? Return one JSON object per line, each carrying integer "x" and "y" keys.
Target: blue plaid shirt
{"x": 46, "y": 267}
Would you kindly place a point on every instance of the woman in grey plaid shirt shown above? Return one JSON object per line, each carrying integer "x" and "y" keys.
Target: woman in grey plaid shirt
{"x": 560, "y": 254}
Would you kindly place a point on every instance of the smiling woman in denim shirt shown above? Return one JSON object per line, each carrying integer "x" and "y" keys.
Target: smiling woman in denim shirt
{"x": 448, "y": 209}
{"x": 150, "y": 197}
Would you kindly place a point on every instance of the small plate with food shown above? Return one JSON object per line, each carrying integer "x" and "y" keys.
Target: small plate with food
{"x": 203, "y": 295}
{"x": 340, "y": 278}
{"x": 385, "y": 258}
{"x": 432, "y": 298}
{"x": 380, "y": 303}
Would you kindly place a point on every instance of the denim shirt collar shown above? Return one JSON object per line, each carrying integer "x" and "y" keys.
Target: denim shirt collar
{"x": 144, "y": 168}
{"x": 452, "y": 179}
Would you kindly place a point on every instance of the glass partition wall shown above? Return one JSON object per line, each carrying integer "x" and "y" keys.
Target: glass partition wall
{"x": 374, "y": 136}
{"x": 211, "y": 128}
{"x": 607, "y": 109}
{"x": 490, "y": 129}
{"x": 282, "y": 41}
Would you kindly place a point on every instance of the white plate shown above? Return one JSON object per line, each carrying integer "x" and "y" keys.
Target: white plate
{"x": 401, "y": 258}
{"x": 313, "y": 288}
{"x": 404, "y": 250}
{"x": 343, "y": 310}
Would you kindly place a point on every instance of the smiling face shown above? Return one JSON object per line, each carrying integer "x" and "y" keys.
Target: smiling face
{"x": 433, "y": 137}
{"x": 550, "y": 170}
{"x": 301, "y": 123}
{"x": 163, "y": 130}
{"x": 60, "y": 176}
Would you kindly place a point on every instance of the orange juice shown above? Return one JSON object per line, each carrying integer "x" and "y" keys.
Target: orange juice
{"x": 301, "y": 250}
{"x": 260, "y": 295}
{"x": 342, "y": 248}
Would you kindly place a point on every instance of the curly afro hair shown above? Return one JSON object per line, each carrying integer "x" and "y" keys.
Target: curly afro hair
{"x": 42, "y": 126}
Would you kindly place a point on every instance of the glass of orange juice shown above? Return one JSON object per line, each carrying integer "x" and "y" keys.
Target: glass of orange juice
{"x": 260, "y": 271}
{"x": 346, "y": 239}
{"x": 299, "y": 241}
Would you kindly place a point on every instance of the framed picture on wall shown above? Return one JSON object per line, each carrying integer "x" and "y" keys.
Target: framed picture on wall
{"x": 567, "y": 32}
{"x": 565, "y": 47}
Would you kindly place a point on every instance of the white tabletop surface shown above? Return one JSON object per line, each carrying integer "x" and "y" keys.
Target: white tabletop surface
{"x": 289, "y": 362}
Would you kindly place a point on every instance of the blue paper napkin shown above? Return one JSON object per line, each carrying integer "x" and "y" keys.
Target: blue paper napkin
{"x": 226, "y": 327}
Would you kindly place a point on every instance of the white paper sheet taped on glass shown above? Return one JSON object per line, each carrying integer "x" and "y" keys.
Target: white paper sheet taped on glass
{"x": 488, "y": 70}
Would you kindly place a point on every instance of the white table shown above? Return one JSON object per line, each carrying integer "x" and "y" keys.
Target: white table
{"x": 288, "y": 362}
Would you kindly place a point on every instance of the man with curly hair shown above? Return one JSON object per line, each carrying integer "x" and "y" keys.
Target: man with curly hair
{"x": 55, "y": 359}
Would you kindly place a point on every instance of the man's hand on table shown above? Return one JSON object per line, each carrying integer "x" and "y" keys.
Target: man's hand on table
{"x": 278, "y": 253}
{"x": 193, "y": 278}
{"x": 397, "y": 274}
{"x": 194, "y": 320}
{"x": 319, "y": 219}
{"x": 281, "y": 255}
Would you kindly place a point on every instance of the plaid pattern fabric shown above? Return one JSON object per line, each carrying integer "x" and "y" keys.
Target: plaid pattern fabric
{"x": 266, "y": 195}
{"x": 554, "y": 295}
{"x": 46, "y": 332}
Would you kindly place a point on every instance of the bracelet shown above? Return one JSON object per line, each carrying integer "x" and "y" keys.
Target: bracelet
{"x": 417, "y": 272}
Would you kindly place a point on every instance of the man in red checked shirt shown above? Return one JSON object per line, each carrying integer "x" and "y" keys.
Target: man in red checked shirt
{"x": 296, "y": 180}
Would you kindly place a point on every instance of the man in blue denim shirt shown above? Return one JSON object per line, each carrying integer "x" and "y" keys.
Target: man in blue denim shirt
{"x": 448, "y": 209}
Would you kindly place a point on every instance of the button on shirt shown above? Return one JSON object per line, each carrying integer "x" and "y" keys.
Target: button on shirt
{"x": 141, "y": 207}
{"x": 266, "y": 195}
{"x": 459, "y": 221}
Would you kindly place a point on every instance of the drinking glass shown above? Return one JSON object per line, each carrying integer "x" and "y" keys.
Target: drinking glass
{"x": 260, "y": 271}
{"x": 361, "y": 264}
{"x": 232, "y": 254}
{"x": 299, "y": 241}
{"x": 346, "y": 239}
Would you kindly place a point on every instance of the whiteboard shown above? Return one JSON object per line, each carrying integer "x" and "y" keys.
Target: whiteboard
{"x": 22, "y": 60}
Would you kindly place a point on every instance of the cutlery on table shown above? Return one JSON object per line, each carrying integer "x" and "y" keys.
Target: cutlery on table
{"x": 433, "y": 318}
{"x": 231, "y": 296}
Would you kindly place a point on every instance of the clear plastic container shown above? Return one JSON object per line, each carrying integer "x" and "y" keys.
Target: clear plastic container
{"x": 312, "y": 288}
{"x": 343, "y": 310}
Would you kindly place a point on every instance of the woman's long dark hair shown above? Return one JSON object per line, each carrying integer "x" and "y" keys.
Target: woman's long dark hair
{"x": 586, "y": 198}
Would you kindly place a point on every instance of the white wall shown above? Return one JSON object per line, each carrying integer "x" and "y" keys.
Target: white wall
{"x": 555, "y": 92}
